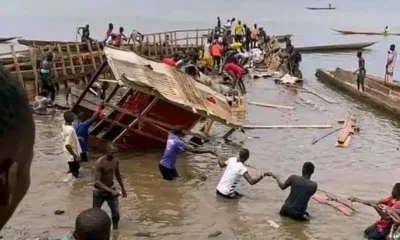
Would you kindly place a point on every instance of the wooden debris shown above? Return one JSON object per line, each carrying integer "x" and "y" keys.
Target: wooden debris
{"x": 327, "y": 198}
{"x": 325, "y": 98}
{"x": 214, "y": 234}
{"x": 271, "y": 105}
{"x": 324, "y": 136}
{"x": 346, "y": 132}
{"x": 273, "y": 224}
{"x": 286, "y": 126}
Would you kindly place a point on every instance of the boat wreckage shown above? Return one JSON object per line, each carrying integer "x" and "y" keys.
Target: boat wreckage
{"x": 148, "y": 98}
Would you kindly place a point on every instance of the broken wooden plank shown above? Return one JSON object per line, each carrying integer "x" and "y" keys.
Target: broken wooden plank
{"x": 286, "y": 126}
{"x": 271, "y": 105}
{"x": 16, "y": 64}
{"x": 325, "y": 98}
{"x": 346, "y": 130}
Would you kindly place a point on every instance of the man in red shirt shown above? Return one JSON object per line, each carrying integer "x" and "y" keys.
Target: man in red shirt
{"x": 120, "y": 37}
{"x": 108, "y": 32}
{"x": 238, "y": 72}
{"x": 381, "y": 229}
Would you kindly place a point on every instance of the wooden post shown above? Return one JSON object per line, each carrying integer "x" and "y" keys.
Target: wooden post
{"x": 176, "y": 42}
{"x": 64, "y": 71}
{"x": 155, "y": 46}
{"x": 94, "y": 78}
{"x": 197, "y": 38}
{"x": 141, "y": 43}
{"x": 148, "y": 45}
{"x": 161, "y": 45}
{"x": 202, "y": 39}
{"x": 171, "y": 43}
{"x": 91, "y": 54}
{"x": 113, "y": 92}
{"x": 187, "y": 40}
{"x": 35, "y": 71}
{"x": 53, "y": 64}
{"x": 16, "y": 65}
{"x": 100, "y": 51}
{"x": 70, "y": 59}
{"x": 78, "y": 52}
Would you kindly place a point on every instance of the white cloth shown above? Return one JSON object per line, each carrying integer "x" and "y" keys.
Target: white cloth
{"x": 230, "y": 179}
{"x": 207, "y": 50}
{"x": 69, "y": 137}
{"x": 40, "y": 103}
{"x": 392, "y": 56}
{"x": 109, "y": 40}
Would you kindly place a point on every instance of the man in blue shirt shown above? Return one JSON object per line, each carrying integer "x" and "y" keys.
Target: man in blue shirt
{"x": 82, "y": 131}
{"x": 174, "y": 146}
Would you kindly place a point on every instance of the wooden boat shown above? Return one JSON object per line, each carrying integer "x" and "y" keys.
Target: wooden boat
{"x": 321, "y": 8}
{"x": 155, "y": 97}
{"x": 377, "y": 94}
{"x": 40, "y": 43}
{"x": 335, "y": 48}
{"x": 4, "y": 40}
{"x": 365, "y": 33}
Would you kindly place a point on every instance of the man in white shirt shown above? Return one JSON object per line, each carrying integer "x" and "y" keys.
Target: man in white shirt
{"x": 235, "y": 169}
{"x": 71, "y": 146}
{"x": 391, "y": 62}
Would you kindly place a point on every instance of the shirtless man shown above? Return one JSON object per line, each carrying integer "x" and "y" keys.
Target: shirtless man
{"x": 104, "y": 190}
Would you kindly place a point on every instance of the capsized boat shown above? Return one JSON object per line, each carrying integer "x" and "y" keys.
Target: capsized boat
{"x": 335, "y": 47}
{"x": 383, "y": 97}
{"x": 365, "y": 33}
{"x": 149, "y": 99}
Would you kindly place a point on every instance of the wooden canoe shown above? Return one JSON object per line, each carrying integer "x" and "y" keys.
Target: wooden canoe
{"x": 365, "y": 33}
{"x": 335, "y": 48}
{"x": 4, "y": 40}
{"x": 378, "y": 95}
{"x": 321, "y": 8}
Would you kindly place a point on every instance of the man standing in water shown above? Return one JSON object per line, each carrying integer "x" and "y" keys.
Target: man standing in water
{"x": 391, "y": 63}
{"x": 104, "y": 190}
{"x": 301, "y": 190}
{"x": 361, "y": 71}
{"x": 17, "y": 138}
{"x": 45, "y": 75}
{"x": 82, "y": 131}
{"x": 235, "y": 169}
{"x": 174, "y": 146}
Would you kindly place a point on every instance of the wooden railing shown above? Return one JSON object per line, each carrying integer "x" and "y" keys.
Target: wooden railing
{"x": 156, "y": 45}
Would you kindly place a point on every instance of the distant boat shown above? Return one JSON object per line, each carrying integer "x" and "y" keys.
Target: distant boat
{"x": 4, "y": 40}
{"x": 335, "y": 48}
{"x": 321, "y": 8}
{"x": 366, "y": 33}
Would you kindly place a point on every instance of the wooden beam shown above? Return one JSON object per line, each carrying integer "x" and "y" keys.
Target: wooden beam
{"x": 70, "y": 59}
{"x": 94, "y": 78}
{"x": 100, "y": 52}
{"x": 16, "y": 64}
{"x": 91, "y": 53}
{"x": 64, "y": 71}
{"x": 113, "y": 92}
{"x": 286, "y": 126}
{"x": 146, "y": 119}
{"x": 79, "y": 57}
{"x": 270, "y": 105}
{"x": 128, "y": 128}
{"x": 35, "y": 71}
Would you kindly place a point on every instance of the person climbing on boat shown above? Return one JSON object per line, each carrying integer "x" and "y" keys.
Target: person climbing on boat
{"x": 228, "y": 24}
{"x": 381, "y": 229}
{"x": 233, "y": 68}
{"x": 81, "y": 127}
{"x": 106, "y": 169}
{"x": 391, "y": 63}
{"x": 301, "y": 190}
{"x": 254, "y": 36}
{"x": 135, "y": 36}
{"x": 99, "y": 90}
{"x": 239, "y": 32}
{"x": 45, "y": 75}
{"x": 169, "y": 61}
{"x": 247, "y": 37}
{"x": 72, "y": 148}
{"x": 175, "y": 146}
{"x": 361, "y": 71}
{"x": 108, "y": 33}
{"x": 120, "y": 37}
{"x": 218, "y": 23}
{"x": 234, "y": 170}
{"x": 85, "y": 35}
{"x": 263, "y": 38}
{"x": 216, "y": 53}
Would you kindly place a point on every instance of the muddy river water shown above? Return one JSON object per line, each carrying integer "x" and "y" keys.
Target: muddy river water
{"x": 188, "y": 208}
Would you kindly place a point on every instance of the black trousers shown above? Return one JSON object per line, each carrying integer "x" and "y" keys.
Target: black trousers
{"x": 238, "y": 38}
{"x": 74, "y": 168}
{"x": 217, "y": 60}
{"x": 168, "y": 173}
{"x": 51, "y": 89}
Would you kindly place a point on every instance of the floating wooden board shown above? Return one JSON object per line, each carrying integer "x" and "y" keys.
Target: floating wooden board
{"x": 325, "y": 198}
{"x": 286, "y": 126}
{"x": 271, "y": 105}
{"x": 346, "y": 132}
{"x": 345, "y": 144}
